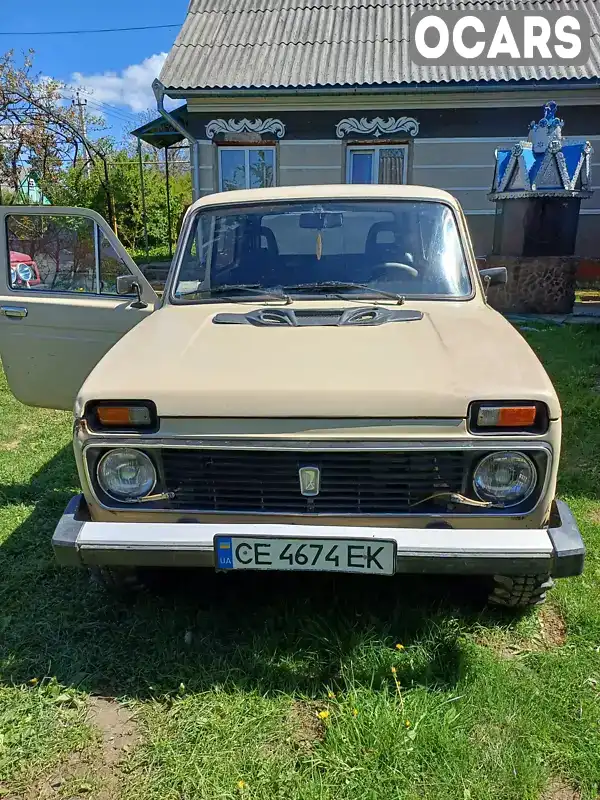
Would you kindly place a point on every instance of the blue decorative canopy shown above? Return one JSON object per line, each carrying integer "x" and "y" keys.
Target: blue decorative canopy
{"x": 545, "y": 165}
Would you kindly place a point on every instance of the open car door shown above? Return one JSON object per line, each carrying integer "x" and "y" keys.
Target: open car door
{"x": 59, "y": 307}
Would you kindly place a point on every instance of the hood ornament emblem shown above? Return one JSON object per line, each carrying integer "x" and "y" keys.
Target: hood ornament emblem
{"x": 310, "y": 481}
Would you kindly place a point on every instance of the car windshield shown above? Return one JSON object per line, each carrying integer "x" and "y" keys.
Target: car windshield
{"x": 365, "y": 249}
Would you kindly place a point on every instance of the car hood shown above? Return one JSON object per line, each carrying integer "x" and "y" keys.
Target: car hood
{"x": 432, "y": 367}
{"x": 18, "y": 258}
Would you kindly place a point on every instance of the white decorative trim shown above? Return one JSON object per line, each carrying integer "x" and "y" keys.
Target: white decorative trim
{"x": 269, "y": 125}
{"x": 377, "y": 126}
{"x": 564, "y": 172}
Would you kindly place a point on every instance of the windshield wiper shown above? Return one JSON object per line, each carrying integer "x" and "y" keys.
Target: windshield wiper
{"x": 251, "y": 288}
{"x": 327, "y": 286}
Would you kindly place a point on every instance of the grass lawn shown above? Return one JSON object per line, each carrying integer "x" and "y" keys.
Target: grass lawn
{"x": 300, "y": 688}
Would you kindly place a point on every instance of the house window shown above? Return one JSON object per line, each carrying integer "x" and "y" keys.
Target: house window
{"x": 379, "y": 164}
{"x": 246, "y": 168}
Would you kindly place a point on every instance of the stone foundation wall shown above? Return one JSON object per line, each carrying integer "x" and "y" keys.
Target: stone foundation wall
{"x": 536, "y": 285}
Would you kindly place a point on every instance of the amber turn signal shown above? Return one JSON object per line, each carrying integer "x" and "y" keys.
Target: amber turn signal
{"x": 123, "y": 416}
{"x": 506, "y": 416}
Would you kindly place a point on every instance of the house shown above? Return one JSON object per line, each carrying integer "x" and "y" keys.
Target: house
{"x": 295, "y": 92}
{"x": 28, "y": 191}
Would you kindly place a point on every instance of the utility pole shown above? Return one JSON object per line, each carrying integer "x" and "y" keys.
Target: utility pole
{"x": 80, "y": 105}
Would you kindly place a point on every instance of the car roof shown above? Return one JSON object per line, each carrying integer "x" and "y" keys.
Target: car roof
{"x": 335, "y": 191}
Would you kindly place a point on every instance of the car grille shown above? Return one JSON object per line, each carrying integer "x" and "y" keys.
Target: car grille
{"x": 380, "y": 482}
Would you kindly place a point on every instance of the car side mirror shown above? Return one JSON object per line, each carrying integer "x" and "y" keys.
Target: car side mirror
{"x": 127, "y": 284}
{"x": 493, "y": 276}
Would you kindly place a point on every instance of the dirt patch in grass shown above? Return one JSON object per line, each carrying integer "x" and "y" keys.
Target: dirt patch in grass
{"x": 307, "y": 728}
{"x": 117, "y": 726}
{"x": 10, "y": 446}
{"x": 594, "y": 516}
{"x": 94, "y": 772}
{"x": 550, "y": 631}
{"x": 553, "y": 627}
{"x": 559, "y": 790}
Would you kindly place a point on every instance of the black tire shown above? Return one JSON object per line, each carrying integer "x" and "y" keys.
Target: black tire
{"x": 520, "y": 591}
{"x": 121, "y": 581}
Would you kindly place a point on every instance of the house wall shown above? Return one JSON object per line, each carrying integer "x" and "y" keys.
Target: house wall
{"x": 454, "y": 148}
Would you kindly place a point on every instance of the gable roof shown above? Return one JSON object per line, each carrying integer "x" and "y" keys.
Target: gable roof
{"x": 295, "y": 44}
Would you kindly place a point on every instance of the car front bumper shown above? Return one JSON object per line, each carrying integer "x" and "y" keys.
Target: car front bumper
{"x": 558, "y": 550}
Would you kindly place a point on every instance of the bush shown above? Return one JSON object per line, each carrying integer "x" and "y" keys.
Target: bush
{"x": 76, "y": 188}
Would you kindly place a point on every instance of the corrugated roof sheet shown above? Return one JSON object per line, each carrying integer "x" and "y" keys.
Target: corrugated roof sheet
{"x": 327, "y": 43}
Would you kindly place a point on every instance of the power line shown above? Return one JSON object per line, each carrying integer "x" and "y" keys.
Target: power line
{"x": 108, "y": 110}
{"x": 105, "y": 105}
{"x": 89, "y": 30}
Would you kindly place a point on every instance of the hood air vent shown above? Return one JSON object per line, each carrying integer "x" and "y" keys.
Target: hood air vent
{"x": 300, "y": 318}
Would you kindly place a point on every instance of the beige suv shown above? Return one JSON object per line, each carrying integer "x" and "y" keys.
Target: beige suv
{"x": 322, "y": 386}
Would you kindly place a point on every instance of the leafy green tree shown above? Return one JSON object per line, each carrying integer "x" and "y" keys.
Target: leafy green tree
{"x": 77, "y": 188}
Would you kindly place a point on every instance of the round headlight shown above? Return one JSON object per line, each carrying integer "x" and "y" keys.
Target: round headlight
{"x": 505, "y": 478}
{"x": 25, "y": 272}
{"x": 126, "y": 474}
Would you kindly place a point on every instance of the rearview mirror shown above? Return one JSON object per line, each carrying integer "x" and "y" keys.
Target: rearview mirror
{"x": 318, "y": 222}
{"x": 494, "y": 276}
{"x": 127, "y": 284}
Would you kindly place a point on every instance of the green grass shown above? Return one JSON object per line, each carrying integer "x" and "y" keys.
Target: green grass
{"x": 228, "y": 673}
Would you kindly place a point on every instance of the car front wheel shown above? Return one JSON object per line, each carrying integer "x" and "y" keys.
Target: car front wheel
{"x": 123, "y": 581}
{"x": 520, "y": 591}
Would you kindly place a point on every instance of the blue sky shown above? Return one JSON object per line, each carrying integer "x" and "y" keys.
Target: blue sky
{"x": 116, "y": 69}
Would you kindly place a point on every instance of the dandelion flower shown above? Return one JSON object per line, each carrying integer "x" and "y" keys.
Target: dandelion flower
{"x": 241, "y": 785}
{"x": 399, "y": 646}
{"x": 407, "y": 723}
{"x": 323, "y": 714}
{"x": 355, "y": 712}
{"x": 393, "y": 670}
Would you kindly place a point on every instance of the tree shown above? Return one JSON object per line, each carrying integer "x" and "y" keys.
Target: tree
{"x": 75, "y": 188}
{"x": 38, "y": 128}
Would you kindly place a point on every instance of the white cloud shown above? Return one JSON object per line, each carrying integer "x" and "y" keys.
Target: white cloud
{"x": 130, "y": 88}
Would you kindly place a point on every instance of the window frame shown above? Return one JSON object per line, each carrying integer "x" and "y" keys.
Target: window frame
{"x": 245, "y": 148}
{"x": 376, "y": 147}
{"x": 169, "y": 297}
{"x": 98, "y": 231}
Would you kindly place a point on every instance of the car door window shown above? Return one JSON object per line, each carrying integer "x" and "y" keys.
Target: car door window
{"x": 61, "y": 253}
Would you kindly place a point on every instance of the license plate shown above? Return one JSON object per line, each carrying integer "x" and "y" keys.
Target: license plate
{"x": 367, "y": 556}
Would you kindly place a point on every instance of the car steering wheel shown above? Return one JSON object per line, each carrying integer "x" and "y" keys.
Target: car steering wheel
{"x": 398, "y": 265}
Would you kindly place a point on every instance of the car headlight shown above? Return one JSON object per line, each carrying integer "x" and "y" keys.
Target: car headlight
{"x": 25, "y": 272}
{"x": 505, "y": 478}
{"x": 126, "y": 474}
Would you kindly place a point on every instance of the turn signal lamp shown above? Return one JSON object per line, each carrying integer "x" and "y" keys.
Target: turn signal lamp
{"x": 136, "y": 415}
{"x": 123, "y": 416}
{"x": 506, "y": 416}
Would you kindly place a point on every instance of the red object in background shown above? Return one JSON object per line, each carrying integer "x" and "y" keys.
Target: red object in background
{"x": 19, "y": 261}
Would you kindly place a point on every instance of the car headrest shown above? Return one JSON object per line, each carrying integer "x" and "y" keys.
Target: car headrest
{"x": 379, "y": 227}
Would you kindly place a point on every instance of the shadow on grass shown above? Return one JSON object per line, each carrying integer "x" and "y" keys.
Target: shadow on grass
{"x": 264, "y": 632}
